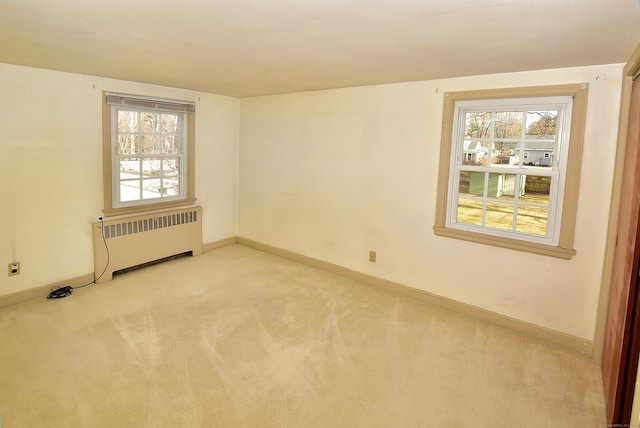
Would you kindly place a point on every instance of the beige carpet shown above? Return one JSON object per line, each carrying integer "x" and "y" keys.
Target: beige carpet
{"x": 240, "y": 338}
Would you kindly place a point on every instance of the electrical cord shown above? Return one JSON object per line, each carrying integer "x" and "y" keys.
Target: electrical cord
{"x": 67, "y": 290}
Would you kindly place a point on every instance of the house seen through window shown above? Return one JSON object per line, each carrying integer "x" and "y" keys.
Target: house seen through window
{"x": 496, "y": 188}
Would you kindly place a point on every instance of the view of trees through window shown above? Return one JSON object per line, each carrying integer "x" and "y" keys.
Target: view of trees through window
{"x": 149, "y": 153}
{"x": 504, "y": 137}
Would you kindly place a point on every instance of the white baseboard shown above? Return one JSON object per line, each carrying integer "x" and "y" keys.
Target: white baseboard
{"x": 219, "y": 244}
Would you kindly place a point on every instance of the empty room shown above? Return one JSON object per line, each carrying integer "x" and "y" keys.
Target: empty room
{"x": 319, "y": 214}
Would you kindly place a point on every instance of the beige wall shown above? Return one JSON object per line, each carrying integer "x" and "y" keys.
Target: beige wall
{"x": 328, "y": 174}
{"x": 334, "y": 174}
{"x": 51, "y": 172}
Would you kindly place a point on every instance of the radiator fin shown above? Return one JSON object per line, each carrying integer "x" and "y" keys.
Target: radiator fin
{"x": 129, "y": 227}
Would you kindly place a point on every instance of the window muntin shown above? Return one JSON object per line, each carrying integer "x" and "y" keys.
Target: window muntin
{"x": 493, "y": 187}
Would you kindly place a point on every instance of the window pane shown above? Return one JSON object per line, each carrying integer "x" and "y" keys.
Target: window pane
{"x": 505, "y": 153}
{"x": 151, "y": 167}
{"x": 542, "y": 123}
{"x": 168, "y": 123}
{"x": 506, "y": 186}
{"x": 469, "y": 211}
{"x": 129, "y": 168}
{"x": 128, "y": 144}
{"x": 499, "y": 216}
{"x": 478, "y": 125}
{"x": 541, "y": 138}
{"x": 129, "y": 191}
{"x": 494, "y": 190}
{"x": 152, "y": 188}
{"x": 171, "y": 168}
{"x": 496, "y": 158}
{"x": 171, "y": 186}
{"x": 532, "y": 220}
{"x": 464, "y": 182}
{"x": 476, "y": 182}
{"x": 508, "y": 124}
{"x": 127, "y": 121}
{"x": 148, "y": 122}
{"x": 539, "y": 153}
{"x": 150, "y": 144}
{"x": 537, "y": 189}
{"x": 474, "y": 152}
{"x": 170, "y": 144}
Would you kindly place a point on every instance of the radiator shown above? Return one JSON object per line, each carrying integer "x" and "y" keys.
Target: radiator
{"x": 140, "y": 239}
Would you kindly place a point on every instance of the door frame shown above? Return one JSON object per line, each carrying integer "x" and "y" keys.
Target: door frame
{"x": 631, "y": 68}
{"x": 627, "y": 373}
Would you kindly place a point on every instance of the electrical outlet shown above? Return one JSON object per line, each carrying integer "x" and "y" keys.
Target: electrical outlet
{"x": 14, "y": 268}
{"x": 372, "y": 256}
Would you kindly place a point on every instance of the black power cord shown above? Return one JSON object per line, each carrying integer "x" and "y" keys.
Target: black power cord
{"x": 61, "y": 292}
{"x": 67, "y": 290}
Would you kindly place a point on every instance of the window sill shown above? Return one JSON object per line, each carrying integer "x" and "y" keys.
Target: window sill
{"x": 112, "y": 212}
{"x": 514, "y": 244}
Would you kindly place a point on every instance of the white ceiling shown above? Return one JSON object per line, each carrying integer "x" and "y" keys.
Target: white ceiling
{"x": 246, "y": 48}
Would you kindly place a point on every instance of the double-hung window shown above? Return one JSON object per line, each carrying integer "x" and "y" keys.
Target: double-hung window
{"x": 148, "y": 153}
{"x": 509, "y": 167}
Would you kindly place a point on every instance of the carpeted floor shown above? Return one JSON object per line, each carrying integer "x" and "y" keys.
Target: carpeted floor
{"x": 240, "y": 338}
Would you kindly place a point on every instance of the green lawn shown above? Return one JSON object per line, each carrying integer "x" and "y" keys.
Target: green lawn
{"x": 532, "y": 220}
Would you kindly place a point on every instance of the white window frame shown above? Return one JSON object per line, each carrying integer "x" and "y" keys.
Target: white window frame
{"x": 185, "y": 110}
{"x": 557, "y": 171}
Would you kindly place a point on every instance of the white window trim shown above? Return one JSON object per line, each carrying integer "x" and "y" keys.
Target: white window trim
{"x": 557, "y": 173}
{"x": 115, "y": 164}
